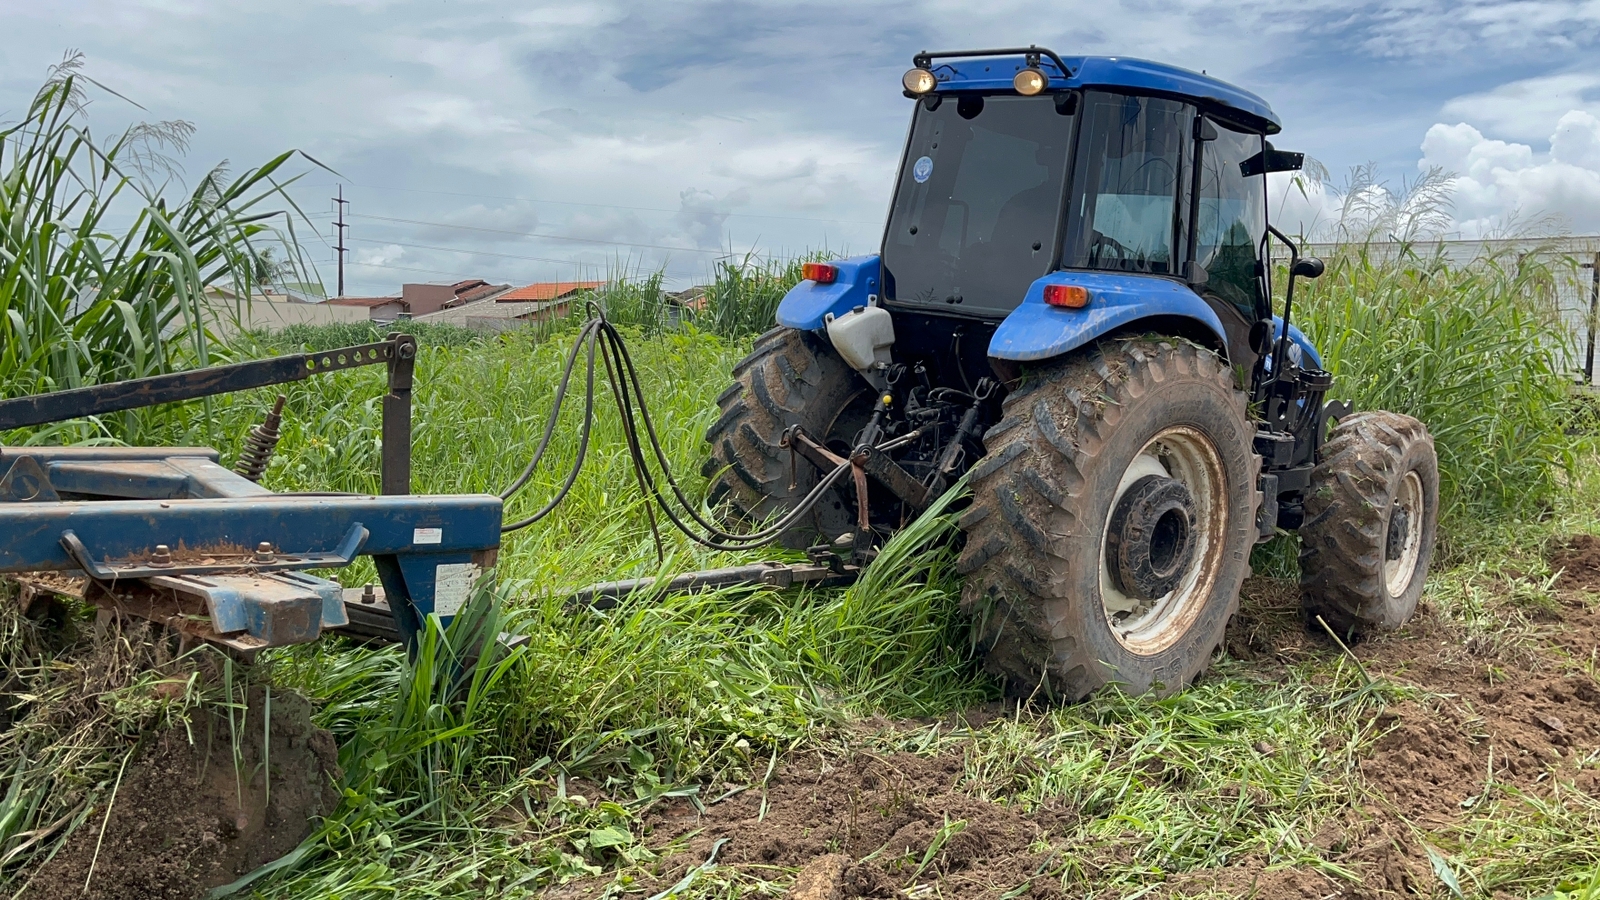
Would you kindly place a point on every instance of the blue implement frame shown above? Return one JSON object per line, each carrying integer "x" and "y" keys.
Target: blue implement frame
{"x": 170, "y": 534}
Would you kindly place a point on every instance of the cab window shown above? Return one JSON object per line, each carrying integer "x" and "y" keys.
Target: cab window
{"x": 1231, "y": 220}
{"x": 1126, "y": 185}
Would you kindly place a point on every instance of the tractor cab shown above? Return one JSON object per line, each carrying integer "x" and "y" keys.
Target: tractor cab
{"x": 1021, "y": 164}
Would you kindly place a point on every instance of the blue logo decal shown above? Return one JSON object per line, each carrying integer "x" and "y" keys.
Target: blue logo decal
{"x": 922, "y": 169}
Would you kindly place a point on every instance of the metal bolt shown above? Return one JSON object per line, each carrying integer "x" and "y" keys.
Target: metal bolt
{"x": 162, "y": 557}
{"x": 368, "y": 595}
{"x": 264, "y": 552}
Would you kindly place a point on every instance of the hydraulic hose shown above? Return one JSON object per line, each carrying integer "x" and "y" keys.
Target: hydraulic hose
{"x": 599, "y": 334}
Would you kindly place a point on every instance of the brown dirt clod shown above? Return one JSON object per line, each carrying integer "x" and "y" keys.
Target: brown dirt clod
{"x": 183, "y": 822}
{"x": 821, "y": 879}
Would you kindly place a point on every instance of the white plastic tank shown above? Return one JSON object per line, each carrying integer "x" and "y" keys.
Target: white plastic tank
{"x": 863, "y": 336}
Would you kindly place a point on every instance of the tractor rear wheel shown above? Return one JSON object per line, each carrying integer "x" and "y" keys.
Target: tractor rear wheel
{"x": 1111, "y": 521}
{"x": 790, "y": 378}
{"x": 1370, "y": 519}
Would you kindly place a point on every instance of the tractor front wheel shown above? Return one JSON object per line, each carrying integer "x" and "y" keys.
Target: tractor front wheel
{"x": 1370, "y": 520}
{"x": 1111, "y": 521}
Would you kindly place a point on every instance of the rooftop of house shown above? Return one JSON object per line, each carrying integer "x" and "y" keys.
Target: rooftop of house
{"x": 368, "y": 302}
{"x": 473, "y": 290}
{"x": 547, "y": 290}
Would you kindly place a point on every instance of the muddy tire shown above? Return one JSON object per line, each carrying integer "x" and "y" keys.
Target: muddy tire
{"x": 790, "y": 378}
{"x": 1053, "y": 611}
{"x": 1371, "y": 516}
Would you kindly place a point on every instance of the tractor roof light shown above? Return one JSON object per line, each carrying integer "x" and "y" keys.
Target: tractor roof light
{"x": 1030, "y": 81}
{"x": 919, "y": 81}
{"x": 1067, "y": 296}
{"x": 821, "y": 273}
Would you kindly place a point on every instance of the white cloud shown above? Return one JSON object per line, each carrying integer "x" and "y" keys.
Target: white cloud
{"x": 386, "y": 255}
{"x": 1524, "y": 109}
{"x": 1300, "y": 205}
{"x": 1415, "y": 27}
{"x": 1502, "y": 181}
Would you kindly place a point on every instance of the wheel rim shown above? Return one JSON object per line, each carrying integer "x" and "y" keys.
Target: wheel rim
{"x": 1188, "y": 456}
{"x": 1403, "y": 543}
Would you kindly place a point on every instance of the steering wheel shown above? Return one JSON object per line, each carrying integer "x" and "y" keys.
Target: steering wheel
{"x": 1100, "y": 243}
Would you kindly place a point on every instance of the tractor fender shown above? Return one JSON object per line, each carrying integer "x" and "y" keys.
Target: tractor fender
{"x": 808, "y": 302}
{"x": 1036, "y": 331}
{"x": 1299, "y": 339}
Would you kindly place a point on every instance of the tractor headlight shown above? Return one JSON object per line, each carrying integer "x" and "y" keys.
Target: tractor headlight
{"x": 919, "y": 81}
{"x": 1029, "y": 81}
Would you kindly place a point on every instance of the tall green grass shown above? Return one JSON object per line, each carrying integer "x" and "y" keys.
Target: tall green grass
{"x": 743, "y": 298}
{"x": 740, "y": 300}
{"x": 301, "y": 337}
{"x": 1471, "y": 350}
{"x": 84, "y": 299}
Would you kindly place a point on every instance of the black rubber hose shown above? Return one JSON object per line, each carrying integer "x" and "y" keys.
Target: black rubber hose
{"x": 587, "y": 332}
{"x": 630, "y": 390}
{"x": 625, "y": 384}
{"x": 583, "y": 440}
{"x": 655, "y": 442}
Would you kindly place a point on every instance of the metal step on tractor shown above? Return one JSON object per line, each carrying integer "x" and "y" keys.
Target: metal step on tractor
{"x": 1072, "y": 308}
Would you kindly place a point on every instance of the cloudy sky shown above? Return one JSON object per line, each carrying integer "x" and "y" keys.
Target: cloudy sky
{"x": 522, "y": 141}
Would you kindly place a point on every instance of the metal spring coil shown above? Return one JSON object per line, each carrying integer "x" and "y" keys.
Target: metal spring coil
{"x": 260, "y": 444}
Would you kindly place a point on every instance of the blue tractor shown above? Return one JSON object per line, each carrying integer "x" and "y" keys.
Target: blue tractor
{"x": 1072, "y": 307}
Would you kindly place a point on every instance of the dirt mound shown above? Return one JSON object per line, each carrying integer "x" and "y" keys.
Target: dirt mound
{"x": 183, "y": 822}
{"x": 901, "y": 814}
{"x": 1578, "y": 558}
{"x": 1434, "y": 762}
{"x": 863, "y": 826}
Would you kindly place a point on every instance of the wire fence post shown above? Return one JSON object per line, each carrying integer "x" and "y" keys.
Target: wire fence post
{"x": 1594, "y": 317}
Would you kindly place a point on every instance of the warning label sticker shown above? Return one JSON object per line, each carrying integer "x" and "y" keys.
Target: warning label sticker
{"x": 452, "y": 585}
{"x": 427, "y": 535}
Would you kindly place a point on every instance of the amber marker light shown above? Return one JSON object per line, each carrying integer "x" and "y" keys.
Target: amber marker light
{"x": 821, "y": 273}
{"x": 1029, "y": 81}
{"x": 919, "y": 81}
{"x": 1068, "y": 296}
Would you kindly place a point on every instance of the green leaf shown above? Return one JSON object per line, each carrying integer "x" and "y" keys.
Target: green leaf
{"x": 609, "y": 836}
{"x": 1443, "y": 869}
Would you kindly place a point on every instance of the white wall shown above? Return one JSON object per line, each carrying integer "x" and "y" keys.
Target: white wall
{"x": 226, "y": 316}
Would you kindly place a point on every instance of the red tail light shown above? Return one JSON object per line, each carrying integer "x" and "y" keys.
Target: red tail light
{"x": 1068, "y": 295}
{"x": 821, "y": 273}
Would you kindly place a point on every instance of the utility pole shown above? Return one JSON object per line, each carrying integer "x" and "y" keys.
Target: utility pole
{"x": 339, "y": 226}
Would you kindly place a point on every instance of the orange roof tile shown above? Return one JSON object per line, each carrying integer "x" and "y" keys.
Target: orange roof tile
{"x": 547, "y": 290}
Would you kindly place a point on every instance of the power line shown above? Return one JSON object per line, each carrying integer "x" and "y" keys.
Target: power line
{"x": 455, "y": 275}
{"x": 529, "y": 234}
{"x": 610, "y": 205}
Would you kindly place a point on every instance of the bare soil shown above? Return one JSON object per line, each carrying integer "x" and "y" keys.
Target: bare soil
{"x": 185, "y": 819}
{"x": 1517, "y": 713}
{"x": 867, "y": 826}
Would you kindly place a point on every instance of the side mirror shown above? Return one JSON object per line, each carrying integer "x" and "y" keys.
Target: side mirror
{"x": 1307, "y": 267}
